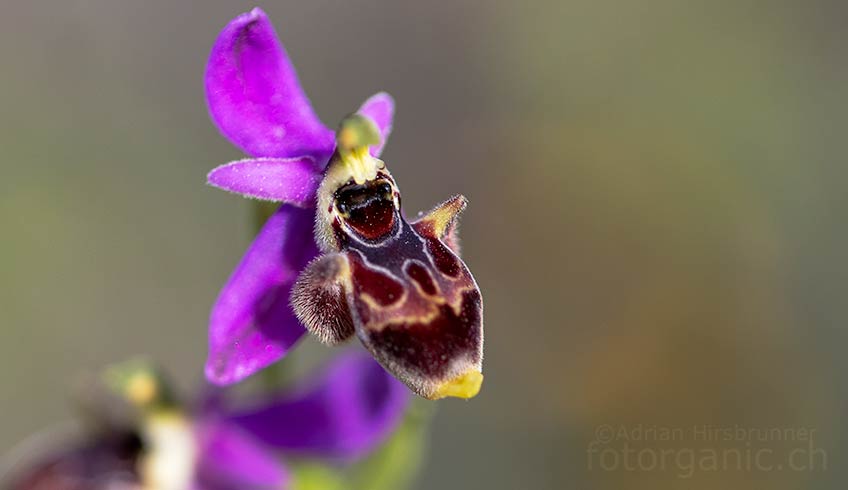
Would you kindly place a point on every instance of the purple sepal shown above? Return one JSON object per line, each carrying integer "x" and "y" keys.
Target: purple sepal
{"x": 232, "y": 460}
{"x": 252, "y": 324}
{"x": 254, "y": 95}
{"x": 342, "y": 415}
{"x": 289, "y": 180}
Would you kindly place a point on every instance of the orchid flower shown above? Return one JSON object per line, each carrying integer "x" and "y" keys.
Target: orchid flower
{"x": 338, "y": 416}
{"x": 256, "y": 101}
{"x": 399, "y": 286}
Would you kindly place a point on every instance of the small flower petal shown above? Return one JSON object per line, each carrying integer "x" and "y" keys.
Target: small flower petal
{"x": 254, "y": 95}
{"x": 380, "y": 108}
{"x": 353, "y": 406}
{"x": 252, "y": 324}
{"x": 289, "y": 180}
{"x": 232, "y": 460}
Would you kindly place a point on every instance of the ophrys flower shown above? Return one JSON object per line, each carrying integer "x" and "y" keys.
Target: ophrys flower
{"x": 401, "y": 287}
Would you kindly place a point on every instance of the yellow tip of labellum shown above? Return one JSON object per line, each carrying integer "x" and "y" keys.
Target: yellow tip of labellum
{"x": 465, "y": 385}
{"x": 355, "y": 135}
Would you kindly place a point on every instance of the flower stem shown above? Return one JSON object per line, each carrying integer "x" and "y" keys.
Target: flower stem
{"x": 260, "y": 212}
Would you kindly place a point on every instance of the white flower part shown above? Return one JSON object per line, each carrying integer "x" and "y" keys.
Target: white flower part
{"x": 171, "y": 452}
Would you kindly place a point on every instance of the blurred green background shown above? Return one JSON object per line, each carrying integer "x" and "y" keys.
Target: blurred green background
{"x": 657, "y": 210}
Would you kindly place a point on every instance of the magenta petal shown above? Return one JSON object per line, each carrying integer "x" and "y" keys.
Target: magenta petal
{"x": 251, "y": 324}
{"x": 254, "y": 95}
{"x": 351, "y": 408}
{"x": 232, "y": 460}
{"x": 380, "y": 108}
{"x": 290, "y": 180}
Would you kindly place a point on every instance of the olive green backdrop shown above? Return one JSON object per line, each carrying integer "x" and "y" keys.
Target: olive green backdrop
{"x": 657, "y": 213}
